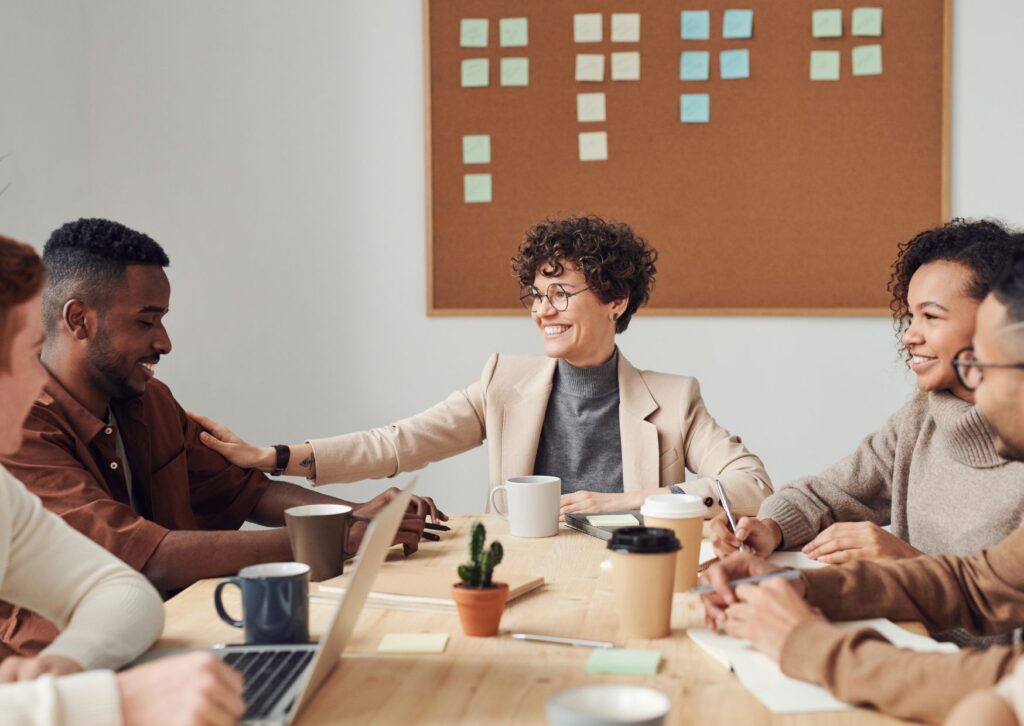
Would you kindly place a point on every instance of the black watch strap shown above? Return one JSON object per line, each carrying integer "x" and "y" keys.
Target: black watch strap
{"x": 284, "y": 453}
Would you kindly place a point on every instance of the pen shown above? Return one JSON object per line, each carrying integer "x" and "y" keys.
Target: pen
{"x": 579, "y": 643}
{"x": 430, "y": 536}
{"x": 438, "y": 527}
{"x": 781, "y": 574}
{"x": 728, "y": 510}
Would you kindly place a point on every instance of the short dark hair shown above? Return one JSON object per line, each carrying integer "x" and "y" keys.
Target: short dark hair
{"x": 21, "y": 277}
{"x": 616, "y": 263}
{"x": 86, "y": 258}
{"x": 1009, "y": 287}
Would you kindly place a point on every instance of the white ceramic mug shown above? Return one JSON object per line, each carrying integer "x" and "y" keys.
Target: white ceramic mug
{"x": 533, "y": 504}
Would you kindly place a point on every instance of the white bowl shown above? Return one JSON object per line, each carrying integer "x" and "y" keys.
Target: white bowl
{"x": 608, "y": 705}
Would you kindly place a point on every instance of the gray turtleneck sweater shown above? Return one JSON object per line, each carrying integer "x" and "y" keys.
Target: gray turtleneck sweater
{"x": 580, "y": 440}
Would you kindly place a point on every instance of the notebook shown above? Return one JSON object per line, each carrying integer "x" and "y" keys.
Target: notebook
{"x": 424, "y": 586}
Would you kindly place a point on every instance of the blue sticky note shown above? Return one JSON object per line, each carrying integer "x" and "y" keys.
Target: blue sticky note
{"x": 696, "y": 25}
{"x": 475, "y": 72}
{"x": 624, "y": 661}
{"x": 867, "y": 60}
{"x": 738, "y": 24}
{"x": 695, "y": 108}
{"x": 515, "y": 71}
{"x": 473, "y": 33}
{"x": 734, "y": 64}
{"x": 476, "y": 188}
{"x": 694, "y": 65}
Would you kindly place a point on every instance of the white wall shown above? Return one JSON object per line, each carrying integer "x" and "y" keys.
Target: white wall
{"x": 276, "y": 150}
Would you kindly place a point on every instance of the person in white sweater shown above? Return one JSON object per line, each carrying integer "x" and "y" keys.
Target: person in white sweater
{"x": 108, "y": 613}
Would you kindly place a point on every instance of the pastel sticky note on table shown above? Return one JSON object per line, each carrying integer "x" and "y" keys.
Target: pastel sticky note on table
{"x": 866, "y": 21}
{"x": 473, "y": 33}
{"x": 694, "y": 65}
{"x": 734, "y": 64}
{"x": 827, "y": 23}
{"x": 515, "y": 71}
{"x": 593, "y": 146}
{"x": 475, "y": 72}
{"x": 738, "y": 24}
{"x": 590, "y": 107}
{"x": 413, "y": 643}
{"x": 867, "y": 60}
{"x": 613, "y": 520}
{"x": 824, "y": 65}
{"x": 624, "y": 661}
{"x": 626, "y": 66}
{"x": 589, "y": 67}
{"x": 476, "y": 149}
{"x": 625, "y": 27}
{"x": 695, "y": 108}
{"x": 513, "y": 32}
{"x": 586, "y": 28}
{"x": 476, "y": 188}
{"x": 695, "y": 25}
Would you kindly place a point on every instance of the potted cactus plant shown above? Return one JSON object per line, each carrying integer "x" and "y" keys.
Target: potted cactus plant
{"x": 478, "y": 598}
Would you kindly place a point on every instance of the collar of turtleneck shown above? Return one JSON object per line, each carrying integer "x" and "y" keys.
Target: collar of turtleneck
{"x": 967, "y": 435}
{"x": 588, "y": 382}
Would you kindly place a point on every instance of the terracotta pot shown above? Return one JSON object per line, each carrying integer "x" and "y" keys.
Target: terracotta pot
{"x": 480, "y": 607}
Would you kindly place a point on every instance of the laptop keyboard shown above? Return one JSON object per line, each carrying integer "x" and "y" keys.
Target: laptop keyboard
{"x": 268, "y": 674}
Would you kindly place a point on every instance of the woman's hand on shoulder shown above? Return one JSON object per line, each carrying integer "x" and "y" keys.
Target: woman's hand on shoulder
{"x": 849, "y": 541}
{"x": 231, "y": 446}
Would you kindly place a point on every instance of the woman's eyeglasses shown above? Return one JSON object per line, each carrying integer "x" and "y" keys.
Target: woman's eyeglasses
{"x": 556, "y": 295}
{"x": 971, "y": 371}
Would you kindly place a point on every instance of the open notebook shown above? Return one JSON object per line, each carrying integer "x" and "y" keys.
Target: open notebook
{"x": 423, "y": 586}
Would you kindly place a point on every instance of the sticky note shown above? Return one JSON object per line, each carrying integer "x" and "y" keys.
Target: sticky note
{"x": 589, "y": 67}
{"x": 613, "y": 520}
{"x": 734, "y": 64}
{"x": 593, "y": 146}
{"x": 590, "y": 107}
{"x": 475, "y": 72}
{"x": 738, "y": 24}
{"x": 473, "y": 33}
{"x": 867, "y": 21}
{"x": 413, "y": 643}
{"x": 696, "y": 25}
{"x": 695, "y": 108}
{"x": 824, "y": 65}
{"x": 624, "y": 661}
{"x": 515, "y": 71}
{"x": 476, "y": 188}
{"x": 625, "y": 27}
{"x": 694, "y": 65}
{"x": 513, "y": 32}
{"x": 867, "y": 60}
{"x": 827, "y": 23}
{"x": 476, "y": 149}
{"x": 586, "y": 27}
{"x": 626, "y": 66}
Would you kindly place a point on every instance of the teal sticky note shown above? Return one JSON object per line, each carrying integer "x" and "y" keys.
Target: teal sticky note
{"x": 515, "y": 71}
{"x": 696, "y": 25}
{"x": 824, "y": 65}
{"x": 867, "y": 60}
{"x": 867, "y": 21}
{"x": 473, "y": 33}
{"x": 734, "y": 64}
{"x": 476, "y": 149}
{"x": 827, "y": 23}
{"x": 694, "y": 65}
{"x": 476, "y": 188}
{"x": 475, "y": 73}
{"x": 624, "y": 661}
{"x": 695, "y": 108}
{"x": 513, "y": 32}
{"x": 738, "y": 24}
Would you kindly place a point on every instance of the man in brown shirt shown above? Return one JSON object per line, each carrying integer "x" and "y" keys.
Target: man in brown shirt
{"x": 983, "y": 593}
{"x": 108, "y": 448}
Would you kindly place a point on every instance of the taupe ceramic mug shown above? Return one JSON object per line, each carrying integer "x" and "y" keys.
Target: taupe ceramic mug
{"x": 318, "y": 534}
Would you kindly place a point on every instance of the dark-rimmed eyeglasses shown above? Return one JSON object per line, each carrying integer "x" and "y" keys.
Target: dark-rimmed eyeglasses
{"x": 971, "y": 371}
{"x": 556, "y": 295}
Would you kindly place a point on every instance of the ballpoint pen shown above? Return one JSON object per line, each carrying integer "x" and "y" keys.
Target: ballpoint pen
{"x": 781, "y": 575}
{"x": 728, "y": 510}
{"x": 559, "y": 640}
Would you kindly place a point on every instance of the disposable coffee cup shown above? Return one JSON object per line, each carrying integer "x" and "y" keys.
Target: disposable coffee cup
{"x": 643, "y": 572}
{"x": 684, "y": 514}
{"x": 318, "y": 534}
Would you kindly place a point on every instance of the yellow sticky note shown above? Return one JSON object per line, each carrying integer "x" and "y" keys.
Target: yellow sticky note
{"x": 613, "y": 520}
{"x": 590, "y": 67}
{"x": 413, "y": 643}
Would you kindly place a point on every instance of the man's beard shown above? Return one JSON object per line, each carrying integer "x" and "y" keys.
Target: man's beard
{"x": 109, "y": 370}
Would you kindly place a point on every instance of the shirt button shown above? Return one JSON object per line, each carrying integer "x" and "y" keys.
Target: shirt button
{"x": 113, "y": 465}
{"x": 709, "y": 502}
{"x": 108, "y": 431}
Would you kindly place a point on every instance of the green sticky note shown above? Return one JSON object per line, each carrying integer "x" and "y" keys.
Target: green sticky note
{"x": 515, "y": 71}
{"x": 827, "y": 23}
{"x": 473, "y": 33}
{"x": 695, "y": 108}
{"x": 824, "y": 65}
{"x": 613, "y": 520}
{"x": 475, "y": 73}
{"x": 476, "y": 149}
{"x": 738, "y": 24}
{"x": 734, "y": 64}
{"x": 867, "y": 21}
{"x": 513, "y": 32}
{"x": 476, "y": 188}
{"x": 694, "y": 65}
{"x": 867, "y": 60}
{"x": 624, "y": 661}
{"x": 413, "y": 643}
{"x": 695, "y": 25}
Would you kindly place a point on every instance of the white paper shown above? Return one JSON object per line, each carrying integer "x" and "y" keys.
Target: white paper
{"x": 625, "y": 27}
{"x": 587, "y": 27}
{"x": 796, "y": 560}
{"x": 593, "y": 146}
{"x": 707, "y": 552}
{"x": 589, "y": 67}
{"x": 626, "y": 66}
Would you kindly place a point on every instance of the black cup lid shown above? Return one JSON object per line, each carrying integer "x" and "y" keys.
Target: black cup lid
{"x": 644, "y": 540}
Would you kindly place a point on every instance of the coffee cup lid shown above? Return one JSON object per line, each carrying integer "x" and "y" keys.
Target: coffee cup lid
{"x": 674, "y": 506}
{"x": 644, "y": 540}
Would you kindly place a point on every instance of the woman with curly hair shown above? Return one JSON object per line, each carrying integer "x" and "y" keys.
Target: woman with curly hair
{"x": 612, "y": 433}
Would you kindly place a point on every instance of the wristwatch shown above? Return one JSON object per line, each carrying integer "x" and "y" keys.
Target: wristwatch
{"x": 283, "y": 453}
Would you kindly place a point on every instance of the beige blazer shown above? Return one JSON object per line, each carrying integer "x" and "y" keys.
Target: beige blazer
{"x": 665, "y": 430}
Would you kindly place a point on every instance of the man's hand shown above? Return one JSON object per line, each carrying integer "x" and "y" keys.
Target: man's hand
{"x": 186, "y": 690}
{"x": 231, "y": 446}
{"x": 761, "y": 536}
{"x": 740, "y": 564}
{"x": 16, "y": 668}
{"x": 848, "y": 541}
{"x": 766, "y": 614}
{"x": 411, "y": 529}
{"x": 420, "y": 506}
{"x": 592, "y": 502}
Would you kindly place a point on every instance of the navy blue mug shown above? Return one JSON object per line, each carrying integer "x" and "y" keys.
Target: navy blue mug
{"x": 275, "y": 603}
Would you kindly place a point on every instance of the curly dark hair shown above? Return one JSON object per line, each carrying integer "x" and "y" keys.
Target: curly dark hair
{"x": 616, "y": 263}
{"x": 21, "y": 278}
{"x": 1009, "y": 288}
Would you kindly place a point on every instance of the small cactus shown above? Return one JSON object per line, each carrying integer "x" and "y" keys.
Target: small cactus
{"x": 480, "y": 568}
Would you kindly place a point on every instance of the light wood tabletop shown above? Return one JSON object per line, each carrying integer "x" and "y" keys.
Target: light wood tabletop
{"x": 499, "y": 680}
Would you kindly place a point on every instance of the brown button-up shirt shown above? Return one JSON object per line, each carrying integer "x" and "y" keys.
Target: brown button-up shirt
{"x": 69, "y": 459}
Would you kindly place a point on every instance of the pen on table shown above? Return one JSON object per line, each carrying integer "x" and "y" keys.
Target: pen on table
{"x": 728, "y": 510}
{"x": 781, "y": 575}
{"x": 431, "y": 537}
{"x": 559, "y": 640}
{"x": 438, "y": 527}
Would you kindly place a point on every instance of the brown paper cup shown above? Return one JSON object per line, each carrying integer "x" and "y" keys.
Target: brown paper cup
{"x": 643, "y": 593}
{"x": 689, "y": 532}
{"x": 318, "y": 534}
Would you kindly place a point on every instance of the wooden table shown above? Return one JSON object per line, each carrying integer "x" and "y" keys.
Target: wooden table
{"x": 499, "y": 680}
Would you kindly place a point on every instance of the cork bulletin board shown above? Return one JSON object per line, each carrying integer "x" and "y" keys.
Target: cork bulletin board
{"x": 774, "y": 156}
